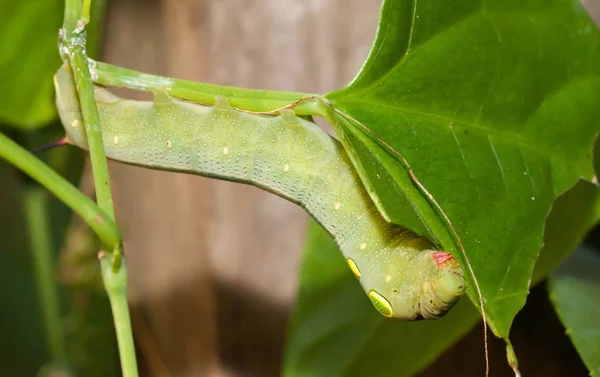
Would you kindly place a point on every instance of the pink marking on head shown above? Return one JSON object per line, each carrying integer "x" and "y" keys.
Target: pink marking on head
{"x": 441, "y": 257}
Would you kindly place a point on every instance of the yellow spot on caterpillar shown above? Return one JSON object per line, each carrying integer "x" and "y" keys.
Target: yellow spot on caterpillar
{"x": 169, "y": 144}
{"x": 116, "y": 140}
{"x": 286, "y": 168}
{"x": 381, "y": 304}
{"x": 388, "y": 279}
{"x": 75, "y": 123}
{"x": 353, "y": 267}
{"x": 225, "y": 151}
{"x": 363, "y": 246}
{"x": 337, "y": 205}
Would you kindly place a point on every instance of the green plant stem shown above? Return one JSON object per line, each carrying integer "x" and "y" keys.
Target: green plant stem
{"x": 254, "y": 100}
{"x": 116, "y": 286}
{"x": 91, "y": 119}
{"x": 38, "y": 228}
{"x": 85, "y": 11}
{"x": 100, "y": 223}
{"x": 71, "y": 15}
{"x": 114, "y": 272}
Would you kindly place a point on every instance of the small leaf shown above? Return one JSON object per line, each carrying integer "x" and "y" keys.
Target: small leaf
{"x": 493, "y": 106}
{"x": 574, "y": 291}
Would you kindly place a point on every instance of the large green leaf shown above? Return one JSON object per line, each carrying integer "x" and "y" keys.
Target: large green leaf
{"x": 494, "y": 107}
{"x": 574, "y": 291}
{"x": 29, "y": 58}
{"x": 335, "y": 331}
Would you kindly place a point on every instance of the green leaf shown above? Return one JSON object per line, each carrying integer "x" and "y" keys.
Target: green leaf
{"x": 493, "y": 106}
{"x": 29, "y": 57}
{"x": 335, "y": 331}
{"x": 574, "y": 291}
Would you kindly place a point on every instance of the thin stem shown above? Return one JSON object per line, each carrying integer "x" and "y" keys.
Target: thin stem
{"x": 100, "y": 223}
{"x": 38, "y": 227}
{"x": 91, "y": 119}
{"x": 85, "y": 11}
{"x": 260, "y": 101}
{"x": 71, "y": 15}
{"x": 115, "y": 284}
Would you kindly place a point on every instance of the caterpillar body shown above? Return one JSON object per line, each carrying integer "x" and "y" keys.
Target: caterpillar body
{"x": 402, "y": 274}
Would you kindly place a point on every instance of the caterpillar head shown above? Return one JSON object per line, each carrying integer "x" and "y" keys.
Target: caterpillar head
{"x": 443, "y": 283}
{"x": 425, "y": 286}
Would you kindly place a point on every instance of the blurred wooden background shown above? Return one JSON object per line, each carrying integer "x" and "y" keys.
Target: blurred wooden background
{"x": 213, "y": 265}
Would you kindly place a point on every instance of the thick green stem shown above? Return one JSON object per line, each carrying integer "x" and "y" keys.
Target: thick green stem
{"x": 115, "y": 284}
{"x": 100, "y": 223}
{"x": 39, "y": 234}
{"x": 254, "y": 100}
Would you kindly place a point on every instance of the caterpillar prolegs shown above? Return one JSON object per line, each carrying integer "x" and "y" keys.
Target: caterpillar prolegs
{"x": 401, "y": 273}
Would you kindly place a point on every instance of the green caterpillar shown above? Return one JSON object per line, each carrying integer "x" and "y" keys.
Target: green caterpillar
{"x": 401, "y": 273}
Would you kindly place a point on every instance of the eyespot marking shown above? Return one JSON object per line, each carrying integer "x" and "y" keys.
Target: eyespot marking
{"x": 363, "y": 246}
{"x": 116, "y": 140}
{"x": 381, "y": 304}
{"x": 337, "y": 205}
{"x": 353, "y": 267}
{"x": 169, "y": 144}
{"x": 286, "y": 168}
{"x": 225, "y": 151}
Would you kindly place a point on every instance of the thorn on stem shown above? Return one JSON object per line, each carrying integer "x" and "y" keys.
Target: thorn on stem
{"x": 54, "y": 144}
